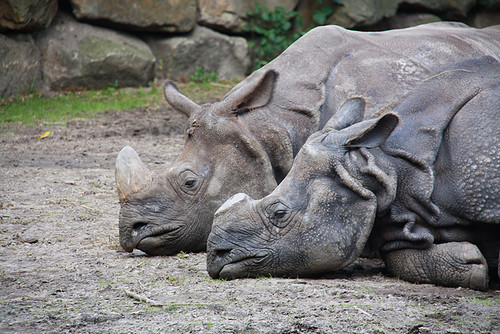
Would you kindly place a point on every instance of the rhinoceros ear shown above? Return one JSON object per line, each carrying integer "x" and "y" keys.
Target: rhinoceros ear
{"x": 131, "y": 174}
{"x": 351, "y": 112}
{"x": 370, "y": 133}
{"x": 255, "y": 92}
{"x": 178, "y": 101}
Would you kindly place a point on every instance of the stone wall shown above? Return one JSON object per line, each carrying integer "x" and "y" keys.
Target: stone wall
{"x": 54, "y": 45}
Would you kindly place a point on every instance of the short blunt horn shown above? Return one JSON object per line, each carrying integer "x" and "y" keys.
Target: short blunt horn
{"x": 131, "y": 174}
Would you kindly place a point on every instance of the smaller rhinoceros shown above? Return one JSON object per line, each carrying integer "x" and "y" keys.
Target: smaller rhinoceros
{"x": 421, "y": 183}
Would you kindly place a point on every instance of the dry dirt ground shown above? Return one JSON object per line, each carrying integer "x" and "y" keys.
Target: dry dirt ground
{"x": 62, "y": 271}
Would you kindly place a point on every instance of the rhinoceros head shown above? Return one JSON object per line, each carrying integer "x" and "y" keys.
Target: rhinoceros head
{"x": 318, "y": 218}
{"x": 165, "y": 212}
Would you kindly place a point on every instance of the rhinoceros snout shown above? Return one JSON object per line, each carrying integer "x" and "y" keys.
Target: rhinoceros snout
{"x": 217, "y": 255}
{"x": 131, "y": 234}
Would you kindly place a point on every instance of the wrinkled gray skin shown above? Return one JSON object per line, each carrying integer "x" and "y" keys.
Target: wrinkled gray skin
{"x": 422, "y": 181}
{"x": 247, "y": 141}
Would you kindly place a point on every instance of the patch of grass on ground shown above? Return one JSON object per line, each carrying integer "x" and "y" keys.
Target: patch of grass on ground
{"x": 34, "y": 108}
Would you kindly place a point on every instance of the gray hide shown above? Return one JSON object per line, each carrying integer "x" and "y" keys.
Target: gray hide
{"x": 247, "y": 141}
{"x": 420, "y": 182}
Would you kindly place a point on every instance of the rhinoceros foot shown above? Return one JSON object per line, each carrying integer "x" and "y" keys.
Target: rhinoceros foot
{"x": 449, "y": 264}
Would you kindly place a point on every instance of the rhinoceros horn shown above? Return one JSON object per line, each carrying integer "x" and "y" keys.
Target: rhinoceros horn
{"x": 178, "y": 101}
{"x": 131, "y": 174}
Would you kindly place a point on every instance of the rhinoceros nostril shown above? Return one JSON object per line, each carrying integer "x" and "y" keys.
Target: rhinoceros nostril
{"x": 221, "y": 253}
{"x": 138, "y": 227}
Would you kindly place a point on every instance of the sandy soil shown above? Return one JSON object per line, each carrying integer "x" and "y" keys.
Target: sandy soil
{"x": 62, "y": 270}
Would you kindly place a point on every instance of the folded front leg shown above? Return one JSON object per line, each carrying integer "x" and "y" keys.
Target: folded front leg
{"x": 448, "y": 264}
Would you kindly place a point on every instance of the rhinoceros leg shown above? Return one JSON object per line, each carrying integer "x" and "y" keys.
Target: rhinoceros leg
{"x": 448, "y": 264}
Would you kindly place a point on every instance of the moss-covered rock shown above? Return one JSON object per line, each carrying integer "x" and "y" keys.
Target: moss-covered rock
{"x": 366, "y": 13}
{"x": 79, "y": 55}
{"x": 26, "y": 15}
{"x": 355, "y": 13}
{"x": 148, "y": 15}
{"x": 214, "y": 52}
{"x": 19, "y": 65}
{"x": 231, "y": 15}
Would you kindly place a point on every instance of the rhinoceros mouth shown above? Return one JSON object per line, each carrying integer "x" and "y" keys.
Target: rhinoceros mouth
{"x": 227, "y": 264}
{"x": 150, "y": 238}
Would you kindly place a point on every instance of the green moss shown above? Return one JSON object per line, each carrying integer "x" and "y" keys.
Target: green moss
{"x": 98, "y": 48}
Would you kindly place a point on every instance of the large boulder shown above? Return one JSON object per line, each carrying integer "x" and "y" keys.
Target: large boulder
{"x": 79, "y": 55}
{"x": 19, "y": 65}
{"x": 485, "y": 17}
{"x": 366, "y": 13}
{"x": 449, "y": 8}
{"x": 26, "y": 15}
{"x": 405, "y": 20}
{"x": 356, "y": 13}
{"x": 231, "y": 15}
{"x": 179, "y": 56}
{"x": 152, "y": 15}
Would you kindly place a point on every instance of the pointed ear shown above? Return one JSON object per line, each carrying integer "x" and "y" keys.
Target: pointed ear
{"x": 178, "y": 101}
{"x": 370, "y": 133}
{"x": 351, "y": 112}
{"x": 256, "y": 92}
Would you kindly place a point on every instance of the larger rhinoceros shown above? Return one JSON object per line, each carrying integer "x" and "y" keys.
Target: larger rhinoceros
{"x": 247, "y": 141}
{"x": 424, "y": 177}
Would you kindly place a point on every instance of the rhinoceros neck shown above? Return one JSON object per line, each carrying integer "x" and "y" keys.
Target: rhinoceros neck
{"x": 377, "y": 174}
{"x": 274, "y": 132}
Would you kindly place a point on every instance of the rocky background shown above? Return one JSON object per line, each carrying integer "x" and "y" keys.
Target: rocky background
{"x": 59, "y": 45}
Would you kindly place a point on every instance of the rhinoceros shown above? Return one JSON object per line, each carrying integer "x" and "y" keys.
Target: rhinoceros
{"x": 247, "y": 141}
{"x": 419, "y": 180}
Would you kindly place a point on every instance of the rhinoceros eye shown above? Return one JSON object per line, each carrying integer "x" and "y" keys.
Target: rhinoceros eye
{"x": 278, "y": 214}
{"x": 190, "y": 183}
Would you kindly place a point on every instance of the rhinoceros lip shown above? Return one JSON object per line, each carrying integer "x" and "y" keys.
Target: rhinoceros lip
{"x": 239, "y": 260}
{"x": 155, "y": 232}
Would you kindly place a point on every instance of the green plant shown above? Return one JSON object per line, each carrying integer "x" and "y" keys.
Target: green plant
{"x": 271, "y": 32}
{"x": 479, "y": 301}
{"x": 202, "y": 76}
{"x": 487, "y": 3}
{"x": 274, "y": 31}
{"x": 323, "y": 11}
{"x": 264, "y": 276}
